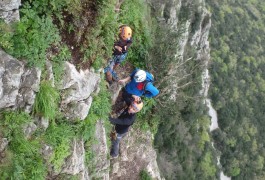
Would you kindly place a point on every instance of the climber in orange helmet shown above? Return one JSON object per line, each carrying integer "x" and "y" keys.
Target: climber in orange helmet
{"x": 120, "y": 51}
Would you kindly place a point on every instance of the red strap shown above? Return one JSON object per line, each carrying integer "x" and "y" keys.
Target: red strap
{"x": 140, "y": 86}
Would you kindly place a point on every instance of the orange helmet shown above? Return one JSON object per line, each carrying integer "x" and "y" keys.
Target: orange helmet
{"x": 125, "y": 32}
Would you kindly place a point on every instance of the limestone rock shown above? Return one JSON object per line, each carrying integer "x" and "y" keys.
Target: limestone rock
{"x": 3, "y": 144}
{"x": 136, "y": 154}
{"x": 11, "y": 71}
{"x": 84, "y": 175}
{"x": 75, "y": 163}
{"x": 101, "y": 160}
{"x": 42, "y": 122}
{"x": 9, "y": 10}
{"x": 76, "y": 89}
{"x": 50, "y": 76}
{"x": 9, "y": 16}
{"x": 30, "y": 81}
{"x": 77, "y": 86}
{"x": 29, "y": 129}
{"x": 46, "y": 152}
{"x": 18, "y": 85}
{"x": 78, "y": 110}
{"x": 8, "y": 5}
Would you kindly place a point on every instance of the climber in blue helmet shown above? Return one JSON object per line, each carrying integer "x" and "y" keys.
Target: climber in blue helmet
{"x": 140, "y": 83}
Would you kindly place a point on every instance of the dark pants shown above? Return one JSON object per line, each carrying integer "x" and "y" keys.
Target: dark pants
{"x": 115, "y": 145}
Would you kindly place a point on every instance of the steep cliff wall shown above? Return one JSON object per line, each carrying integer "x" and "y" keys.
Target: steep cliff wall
{"x": 185, "y": 54}
{"x": 191, "y": 21}
{"x": 19, "y": 85}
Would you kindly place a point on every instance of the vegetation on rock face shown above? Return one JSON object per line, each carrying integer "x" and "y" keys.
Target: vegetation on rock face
{"x": 64, "y": 31}
{"x": 238, "y": 85}
{"x": 22, "y": 159}
{"x": 38, "y": 36}
{"x": 47, "y": 101}
{"x": 145, "y": 176}
{"x": 182, "y": 140}
{"x": 84, "y": 34}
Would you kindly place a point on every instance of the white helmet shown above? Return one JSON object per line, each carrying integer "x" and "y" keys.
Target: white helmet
{"x": 140, "y": 76}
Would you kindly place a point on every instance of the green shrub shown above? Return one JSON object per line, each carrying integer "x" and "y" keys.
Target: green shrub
{"x": 26, "y": 161}
{"x": 33, "y": 35}
{"x": 59, "y": 137}
{"x": 46, "y": 102}
{"x": 145, "y": 119}
{"x": 12, "y": 122}
{"x": 48, "y": 7}
{"x": 99, "y": 110}
{"x": 101, "y": 38}
{"x": 57, "y": 63}
{"x": 5, "y": 36}
{"x": 144, "y": 175}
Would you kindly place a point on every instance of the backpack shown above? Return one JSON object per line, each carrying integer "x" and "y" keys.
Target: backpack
{"x": 149, "y": 79}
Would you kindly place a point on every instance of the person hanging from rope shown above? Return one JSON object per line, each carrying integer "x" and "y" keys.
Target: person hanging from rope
{"x": 122, "y": 124}
{"x": 139, "y": 83}
{"x": 120, "y": 51}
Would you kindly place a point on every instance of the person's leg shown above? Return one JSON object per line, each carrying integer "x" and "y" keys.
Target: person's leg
{"x": 114, "y": 152}
{"x": 118, "y": 59}
{"x": 109, "y": 77}
{"x": 108, "y": 71}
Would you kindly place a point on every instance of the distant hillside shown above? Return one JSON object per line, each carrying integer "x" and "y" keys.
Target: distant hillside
{"x": 238, "y": 85}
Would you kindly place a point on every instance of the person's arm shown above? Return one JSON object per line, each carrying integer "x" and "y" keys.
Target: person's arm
{"x": 128, "y": 44}
{"x": 124, "y": 81}
{"x": 118, "y": 48}
{"x": 129, "y": 78}
{"x": 150, "y": 91}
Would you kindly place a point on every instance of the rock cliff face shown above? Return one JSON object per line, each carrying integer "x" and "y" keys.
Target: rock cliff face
{"x": 191, "y": 21}
{"x": 19, "y": 85}
{"x": 9, "y": 10}
{"x": 18, "y": 88}
{"x": 136, "y": 154}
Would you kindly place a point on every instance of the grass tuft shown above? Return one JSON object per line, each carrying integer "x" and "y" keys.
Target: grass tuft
{"x": 46, "y": 102}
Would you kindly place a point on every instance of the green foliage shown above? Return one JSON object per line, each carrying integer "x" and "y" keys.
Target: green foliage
{"x": 57, "y": 62}
{"x": 238, "y": 79}
{"x": 48, "y": 7}
{"x": 144, "y": 121}
{"x": 5, "y": 36}
{"x": 67, "y": 177}
{"x": 101, "y": 38}
{"x": 26, "y": 161}
{"x": 59, "y": 137}
{"x": 144, "y": 175}
{"x": 207, "y": 165}
{"x": 46, "y": 101}
{"x": 12, "y": 121}
{"x": 182, "y": 137}
{"x": 32, "y": 37}
{"x": 99, "y": 110}
{"x": 101, "y": 103}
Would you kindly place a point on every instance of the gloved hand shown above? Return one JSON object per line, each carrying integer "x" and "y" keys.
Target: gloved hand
{"x": 113, "y": 135}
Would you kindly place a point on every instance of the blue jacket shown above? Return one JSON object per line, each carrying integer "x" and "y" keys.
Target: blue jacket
{"x": 138, "y": 89}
